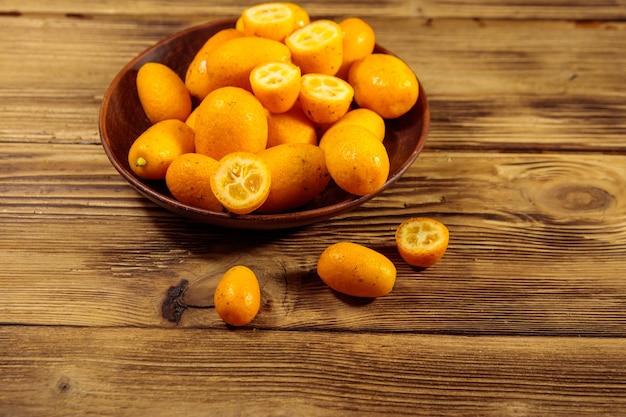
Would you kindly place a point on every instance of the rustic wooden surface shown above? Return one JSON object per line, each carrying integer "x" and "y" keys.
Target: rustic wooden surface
{"x": 525, "y": 162}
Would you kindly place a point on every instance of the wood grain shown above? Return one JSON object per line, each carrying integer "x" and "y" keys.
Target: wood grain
{"x": 268, "y": 373}
{"x": 525, "y": 163}
{"x": 491, "y": 85}
{"x": 509, "y": 9}
{"x": 514, "y": 219}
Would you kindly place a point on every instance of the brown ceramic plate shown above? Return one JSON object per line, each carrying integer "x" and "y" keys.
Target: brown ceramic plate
{"x": 122, "y": 119}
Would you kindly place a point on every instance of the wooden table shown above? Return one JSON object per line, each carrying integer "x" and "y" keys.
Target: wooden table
{"x": 525, "y": 163}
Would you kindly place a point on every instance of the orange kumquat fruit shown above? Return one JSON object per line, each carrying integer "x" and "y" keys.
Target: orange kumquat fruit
{"x": 237, "y": 297}
{"x": 162, "y": 93}
{"x": 153, "y": 151}
{"x": 317, "y": 47}
{"x": 189, "y": 180}
{"x": 300, "y": 15}
{"x": 366, "y": 118}
{"x": 291, "y": 126}
{"x": 384, "y": 83}
{"x": 359, "y": 41}
{"x": 422, "y": 241}
{"x": 324, "y": 98}
{"x": 268, "y": 20}
{"x": 196, "y": 78}
{"x": 357, "y": 161}
{"x": 356, "y": 270}
{"x": 241, "y": 182}
{"x": 276, "y": 85}
{"x": 231, "y": 62}
{"x": 299, "y": 174}
{"x": 191, "y": 120}
{"x": 230, "y": 119}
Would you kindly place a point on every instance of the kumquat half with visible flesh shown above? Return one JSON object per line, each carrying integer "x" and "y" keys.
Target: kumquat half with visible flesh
{"x": 422, "y": 241}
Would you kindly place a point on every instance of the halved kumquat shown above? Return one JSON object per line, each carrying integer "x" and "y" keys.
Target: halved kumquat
{"x": 422, "y": 241}
{"x": 241, "y": 182}
{"x": 268, "y": 20}
{"x": 276, "y": 85}
{"x": 324, "y": 98}
{"x": 300, "y": 15}
{"x": 317, "y": 47}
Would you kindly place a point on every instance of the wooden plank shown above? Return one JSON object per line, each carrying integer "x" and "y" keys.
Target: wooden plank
{"x": 505, "y": 88}
{"x": 508, "y": 9}
{"x": 80, "y": 247}
{"x": 54, "y": 371}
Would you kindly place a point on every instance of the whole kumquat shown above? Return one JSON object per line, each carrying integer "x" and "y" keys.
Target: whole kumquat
{"x": 196, "y": 78}
{"x": 357, "y": 161}
{"x": 162, "y": 93}
{"x": 359, "y": 41}
{"x": 291, "y": 126}
{"x": 189, "y": 180}
{"x": 299, "y": 174}
{"x": 230, "y": 119}
{"x": 356, "y": 270}
{"x": 237, "y": 297}
{"x": 366, "y": 118}
{"x": 153, "y": 151}
{"x": 384, "y": 83}
{"x": 231, "y": 62}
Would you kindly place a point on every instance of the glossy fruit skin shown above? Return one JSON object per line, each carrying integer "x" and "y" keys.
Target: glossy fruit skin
{"x": 356, "y": 270}
{"x": 196, "y": 76}
{"x": 153, "y": 151}
{"x": 291, "y": 126}
{"x": 237, "y": 297}
{"x": 366, "y": 118}
{"x": 230, "y": 119}
{"x": 230, "y": 63}
{"x": 384, "y": 83}
{"x": 356, "y": 160}
{"x": 189, "y": 180}
{"x": 298, "y": 174}
{"x": 162, "y": 93}
{"x": 359, "y": 40}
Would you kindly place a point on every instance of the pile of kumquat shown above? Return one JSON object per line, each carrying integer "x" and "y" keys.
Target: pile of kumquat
{"x": 285, "y": 105}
